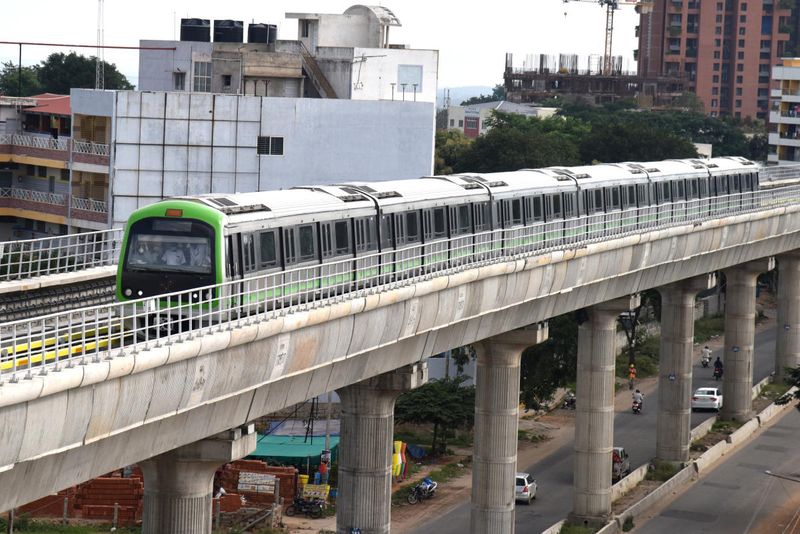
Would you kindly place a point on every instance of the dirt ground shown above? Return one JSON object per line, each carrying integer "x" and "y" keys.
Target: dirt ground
{"x": 556, "y": 429}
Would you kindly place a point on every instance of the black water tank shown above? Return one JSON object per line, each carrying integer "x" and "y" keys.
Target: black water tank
{"x": 257, "y": 33}
{"x": 196, "y": 30}
{"x": 228, "y": 31}
{"x": 273, "y": 33}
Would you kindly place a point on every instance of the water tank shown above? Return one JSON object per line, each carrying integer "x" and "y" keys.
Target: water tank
{"x": 273, "y": 33}
{"x": 228, "y": 31}
{"x": 196, "y": 30}
{"x": 257, "y": 33}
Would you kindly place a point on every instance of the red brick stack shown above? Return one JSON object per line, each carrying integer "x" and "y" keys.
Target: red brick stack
{"x": 287, "y": 476}
{"x": 97, "y": 498}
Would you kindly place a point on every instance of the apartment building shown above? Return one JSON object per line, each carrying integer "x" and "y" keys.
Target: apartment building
{"x": 473, "y": 120}
{"x": 722, "y": 49}
{"x": 784, "y": 115}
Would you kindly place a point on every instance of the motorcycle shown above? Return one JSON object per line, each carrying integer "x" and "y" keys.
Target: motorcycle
{"x": 311, "y": 507}
{"x": 636, "y": 407}
{"x": 704, "y": 361}
{"x": 717, "y": 373}
{"x": 569, "y": 402}
{"x": 424, "y": 490}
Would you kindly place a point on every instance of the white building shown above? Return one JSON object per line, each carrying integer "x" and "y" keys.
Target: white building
{"x": 472, "y": 119}
{"x": 784, "y": 115}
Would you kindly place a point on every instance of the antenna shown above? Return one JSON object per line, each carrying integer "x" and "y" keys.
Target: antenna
{"x": 100, "y": 67}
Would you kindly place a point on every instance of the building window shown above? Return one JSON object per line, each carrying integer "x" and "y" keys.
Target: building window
{"x": 714, "y": 102}
{"x": 742, "y": 18}
{"x": 65, "y": 175}
{"x": 741, "y": 43}
{"x": 742, "y": 31}
{"x": 738, "y": 91}
{"x": 226, "y": 80}
{"x": 738, "y": 103}
{"x": 719, "y": 6}
{"x": 743, "y": 6}
{"x": 715, "y": 91}
{"x": 460, "y": 123}
{"x": 30, "y": 170}
{"x": 178, "y": 81}
{"x": 739, "y": 79}
{"x": 41, "y": 172}
{"x": 716, "y": 66}
{"x": 452, "y": 122}
{"x": 740, "y": 67}
{"x": 718, "y": 30}
{"x": 202, "y": 77}
{"x": 409, "y": 78}
{"x": 269, "y": 146}
{"x": 740, "y": 55}
{"x": 716, "y": 54}
{"x": 715, "y": 78}
{"x": 719, "y": 19}
{"x": 305, "y": 28}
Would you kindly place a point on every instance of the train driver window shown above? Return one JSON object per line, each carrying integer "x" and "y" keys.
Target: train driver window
{"x": 307, "y": 245}
{"x": 267, "y": 251}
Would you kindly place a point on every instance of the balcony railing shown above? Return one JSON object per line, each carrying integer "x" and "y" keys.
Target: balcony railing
{"x": 43, "y": 197}
{"x": 90, "y": 204}
{"x": 89, "y": 147}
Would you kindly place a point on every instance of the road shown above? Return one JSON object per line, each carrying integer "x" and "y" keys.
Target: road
{"x": 637, "y": 433}
{"x": 738, "y": 496}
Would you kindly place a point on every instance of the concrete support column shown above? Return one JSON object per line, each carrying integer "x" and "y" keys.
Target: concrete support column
{"x": 594, "y": 419}
{"x": 740, "y": 319}
{"x": 787, "y": 345}
{"x": 178, "y": 483}
{"x": 494, "y": 459}
{"x": 365, "y": 449}
{"x": 675, "y": 367}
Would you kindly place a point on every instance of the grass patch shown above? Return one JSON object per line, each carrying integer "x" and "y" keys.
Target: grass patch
{"x": 725, "y": 427}
{"x": 646, "y": 359}
{"x": 662, "y": 471}
{"x": 26, "y": 525}
{"x": 527, "y": 435}
{"x": 708, "y": 327}
{"x": 773, "y": 391}
{"x": 443, "y": 474}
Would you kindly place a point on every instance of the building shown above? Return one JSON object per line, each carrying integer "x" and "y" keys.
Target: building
{"x": 784, "y": 116}
{"x": 723, "y": 49}
{"x": 54, "y": 168}
{"x": 472, "y": 120}
{"x": 345, "y": 56}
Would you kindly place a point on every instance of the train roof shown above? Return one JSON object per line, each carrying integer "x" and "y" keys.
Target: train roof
{"x": 516, "y": 183}
{"x": 394, "y": 195}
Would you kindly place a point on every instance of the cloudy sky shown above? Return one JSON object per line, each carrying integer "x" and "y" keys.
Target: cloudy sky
{"x": 472, "y": 38}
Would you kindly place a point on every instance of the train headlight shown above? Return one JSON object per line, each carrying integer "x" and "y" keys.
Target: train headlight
{"x": 139, "y": 293}
{"x": 128, "y": 292}
{"x": 194, "y": 296}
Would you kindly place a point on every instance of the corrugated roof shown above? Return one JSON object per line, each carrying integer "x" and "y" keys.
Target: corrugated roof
{"x": 51, "y": 104}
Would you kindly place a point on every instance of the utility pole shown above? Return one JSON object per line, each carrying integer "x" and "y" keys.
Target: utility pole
{"x": 100, "y": 64}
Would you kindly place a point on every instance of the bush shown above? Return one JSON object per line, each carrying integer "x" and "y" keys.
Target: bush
{"x": 576, "y": 529}
{"x": 628, "y": 524}
{"x": 662, "y": 471}
{"x": 707, "y": 327}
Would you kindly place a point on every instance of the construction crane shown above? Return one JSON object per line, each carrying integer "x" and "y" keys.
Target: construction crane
{"x": 611, "y": 6}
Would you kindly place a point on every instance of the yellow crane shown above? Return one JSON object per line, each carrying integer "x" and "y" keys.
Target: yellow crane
{"x": 611, "y": 6}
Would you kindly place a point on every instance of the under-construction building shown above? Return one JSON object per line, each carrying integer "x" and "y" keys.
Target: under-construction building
{"x": 542, "y": 77}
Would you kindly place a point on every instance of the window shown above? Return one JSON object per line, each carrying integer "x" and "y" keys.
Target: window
{"x": 452, "y": 122}
{"x": 742, "y": 18}
{"x": 460, "y": 123}
{"x": 716, "y": 66}
{"x": 248, "y": 253}
{"x": 740, "y": 55}
{"x": 179, "y": 81}
{"x": 738, "y": 91}
{"x": 41, "y": 172}
{"x": 226, "y": 80}
{"x": 740, "y": 67}
{"x": 267, "y": 250}
{"x": 305, "y": 28}
{"x": 308, "y": 249}
{"x": 742, "y": 31}
{"x": 64, "y": 175}
{"x": 714, "y": 102}
{"x": 409, "y": 78}
{"x": 741, "y": 41}
{"x": 739, "y": 79}
{"x": 366, "y": 239}
{"x": 202, "y": 77}
{"x": 412, "y": 226}
{"x": 269, "y": 146}
{"x": 472, "y": 123}
{"x": 719, "y": 6}
{"x": 743, "y": 6}
{"x": 717, "y": 54}
{"x": 738, "y": 103}
{"x": 462, "y": 223}
{"x": 715, "y": 91}
{"x": 717, "y": 42}
{"x": 30, "y": 170}
{"x": 715, "y": 78}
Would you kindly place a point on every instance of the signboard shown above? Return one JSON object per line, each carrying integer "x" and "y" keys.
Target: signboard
{"x": 313, "y": 491}
{"x": 256, "y": 482}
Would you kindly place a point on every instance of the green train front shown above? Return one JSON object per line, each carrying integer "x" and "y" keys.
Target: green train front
{"x": 170, "y": 246}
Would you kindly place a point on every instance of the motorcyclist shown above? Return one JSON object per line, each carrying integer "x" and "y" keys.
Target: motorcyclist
{"x": 718, "y": 365}
{"x": 706, "y": 354}
{"x": 638, "y": 396}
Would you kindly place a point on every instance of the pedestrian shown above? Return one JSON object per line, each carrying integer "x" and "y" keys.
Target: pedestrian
{"x": 631, "y": 375}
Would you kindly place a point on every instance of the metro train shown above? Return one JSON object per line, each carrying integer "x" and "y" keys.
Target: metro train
{"x": 347, "y": 235}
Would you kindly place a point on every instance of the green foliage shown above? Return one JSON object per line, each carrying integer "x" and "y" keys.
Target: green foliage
{"x": 550, "y": 365}
{"x": 498, "y": 94}
{"x": 632, "y": 140}
{"x": 25, "y": 525}
{"x": 707, "y": 327}
{"x": 725, "y": 427}
{"x": 451, "y": 145}
{"x": 9, "y": 80}
{"x": 628, "y": 525}
{"x": 792, "y": 380}
{"x": 445, "y": 403}
{"x": 60, "y": 72}
{"x": 646, "y": 359}
{"x": 576, "y": 529}
{"x": 662, "y": 471}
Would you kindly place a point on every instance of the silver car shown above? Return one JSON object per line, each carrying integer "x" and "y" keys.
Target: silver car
{"x": 525, "y": 488}
{"x": 707, "y": 399}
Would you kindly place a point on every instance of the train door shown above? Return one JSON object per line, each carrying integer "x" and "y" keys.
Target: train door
{"x": 367, "y": 262}
{"x": 481, "y": 217}
{"x": 595, "y": 212}
{"x": 461, "y": 239}
{"x": 434, "y": 226}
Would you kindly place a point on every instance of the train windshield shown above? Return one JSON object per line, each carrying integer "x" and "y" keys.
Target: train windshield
{"x": 170, "y": 245}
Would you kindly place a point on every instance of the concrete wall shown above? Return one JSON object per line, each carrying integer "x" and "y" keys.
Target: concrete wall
{"x": 170, "y": 144}
{"x": 77, "y": 423}
{"x": 384, "y": 66}
{"x": 156, "y": 66}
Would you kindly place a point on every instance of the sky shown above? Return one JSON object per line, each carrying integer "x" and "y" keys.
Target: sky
{"x": 472, "y": 41}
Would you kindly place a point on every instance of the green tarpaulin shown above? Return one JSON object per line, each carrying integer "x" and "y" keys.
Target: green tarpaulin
{"x": 293, "y": 450}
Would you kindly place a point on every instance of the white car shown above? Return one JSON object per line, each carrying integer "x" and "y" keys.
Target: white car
{"x": 707, "y": 399}
{"x": 524, "y": 488}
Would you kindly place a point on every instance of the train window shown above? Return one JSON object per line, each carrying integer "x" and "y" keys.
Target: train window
{"x": 307, "y": 245}
{"x": 642, "y": 195}
{"x": 692, "y": 190}
{"x": 325, "y": 240}
{"x": 267, "y": 250}
{"x": 569, "y": 205}
{"x": 612, "y": 198}
{"x": 748, "y": 182}
{"x": 386, "y": 232}
{"x": 553, "y": 206}
{"x": 737, "y": 186}
{"x": 496, "y": 214}
{"x": 594, "y": 201}
{"x": 663, "y": 195}
{"x": 342, "y": 237}
{"x": 461, "y": 219}
{"x": 289, "y": 246}
{"x": 440, "y": 222}
{"x": 629, "y": 197}
{"x": 229, "y": 256}
{"x": 412, "y": 227}
{"x": 512, "y": 212}
{"x": 702, "y": 188}
{"x": 248, "y": 253}
{"x": 481, "y": 215}
{"x": 537, "y": 208}
{"x": 366, "y": 239}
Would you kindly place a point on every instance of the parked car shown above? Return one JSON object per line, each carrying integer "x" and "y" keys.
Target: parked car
{"x": 620, "y": 464}
{"x": 707, "y": 399}
{"x": 525, "y": 488}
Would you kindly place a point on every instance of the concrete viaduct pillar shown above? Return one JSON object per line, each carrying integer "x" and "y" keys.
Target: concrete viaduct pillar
{"x": 178, "y": 484}
{"x": 675, "y": 369}
{"x": 740, "y": 317}
{"x": 787, "y": 345}
{"x": 365, "y": 449}
{"x": 494, "y": 459}
{"x": 594, "y": 419}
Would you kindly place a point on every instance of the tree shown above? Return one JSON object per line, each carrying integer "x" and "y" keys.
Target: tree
{"x": 793, "y": 380}
{"x": 61, "y": 72}
{"x": 552, "y": 364}
{"x": 9, "y": 80}
{"x": 498, "y": 94}
{"x": 615, "y": 141}
{"x": 445, "y": 403}
{"x": 451, "y": 145}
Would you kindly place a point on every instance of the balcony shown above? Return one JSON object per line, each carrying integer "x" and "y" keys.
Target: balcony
{"x": 45, "y": 146}
{"x": 86, "y": 209}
